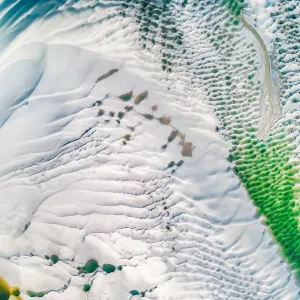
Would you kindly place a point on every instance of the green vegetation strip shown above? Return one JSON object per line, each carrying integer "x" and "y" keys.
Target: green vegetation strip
{"x": 268, "y": 176}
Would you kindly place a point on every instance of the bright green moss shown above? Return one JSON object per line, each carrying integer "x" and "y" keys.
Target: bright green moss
{"x": 271, "y": 189}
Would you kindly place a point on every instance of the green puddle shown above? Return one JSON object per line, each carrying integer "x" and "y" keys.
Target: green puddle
{"x": 36, "y": 294}
{"x": 89, "y": 267}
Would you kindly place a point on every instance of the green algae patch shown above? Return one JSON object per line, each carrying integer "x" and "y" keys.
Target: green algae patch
{"x": 86, "y": 287}
{"x": 172, "y": 136}
{"x": 180, "y": 163}
{"x": 89, "y": 267}
{"x": 15, "y": 291}
{"x": 36, "y": 294}
{"x": 127, "y": 136}
{"x": 157, "y": 27}
{"x": 120, "y": 268}
{"x": 54, "y": 258}
{"x": 121, "y": 115}
{"x": 266, "y": 173}
{"x": 234, "y": 6}
{"x": 165, "y": 120}
{"x": 108, "y": 268}
{"x": 140, "y": 97}
{"x": 25, "y": 228}
{"x": 126, "y": 97}
{"x": 4, "y": 289}
{"x": 134, "y": 292}
{"x": 171, "y": 164}
{"x": 148, "y": 116}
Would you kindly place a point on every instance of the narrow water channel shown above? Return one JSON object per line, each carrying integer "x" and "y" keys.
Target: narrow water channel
{"x": 271, "y": 112}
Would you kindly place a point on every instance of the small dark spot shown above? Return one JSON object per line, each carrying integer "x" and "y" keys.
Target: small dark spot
{"x": 165, "y": 120}
{"x": 164, "y": 146}
{"x": 140, "y": 97}
{"x": 134, "y": 292}
{"x": 148, "y": 116}
{"x": 127, "y": 136}
{"x": 154, "y": 107}
{"x": 111, "y": 113}
{"x": 101, "y": 112}
{"x": 54, "y": 258}
{"x": 132, "y": 128}
{"x": 120, "y": 115}
{"x": 172, "y": 136}
{"x": 86, "y": 287}
{"x": 180, "y": 163}
{"x": 126, "y": 97}
{"x": 26, "y": 226}
{"x": 108, "y": 268}
{"x": 171, "y": 164}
